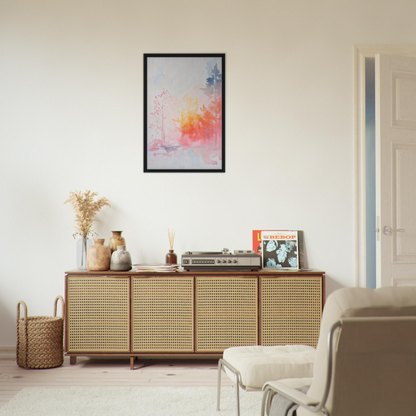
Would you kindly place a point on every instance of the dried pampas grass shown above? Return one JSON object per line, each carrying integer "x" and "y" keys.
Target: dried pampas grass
{"x": 85, "y": 210}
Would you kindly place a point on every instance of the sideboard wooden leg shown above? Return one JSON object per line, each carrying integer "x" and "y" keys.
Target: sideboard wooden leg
{"x": 131, "y": 363}
{"x": 72, "y": 359}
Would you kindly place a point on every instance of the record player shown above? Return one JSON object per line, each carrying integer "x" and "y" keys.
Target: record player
{"x": 240, "y": 260}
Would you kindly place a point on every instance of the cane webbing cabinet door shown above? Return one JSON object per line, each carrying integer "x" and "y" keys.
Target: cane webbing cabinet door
{"x": 98, "y": 310}
{"x": 291, "y": 309}
{"x": 162, "y": 314}
{"x": 226, "y": 312}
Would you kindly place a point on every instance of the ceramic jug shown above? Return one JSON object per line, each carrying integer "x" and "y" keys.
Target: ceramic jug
{"x": 121, "y": 259}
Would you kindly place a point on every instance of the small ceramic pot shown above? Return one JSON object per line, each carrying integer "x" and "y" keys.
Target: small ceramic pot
{"x": 121, "y": 259}
{"x": 98, "y": 256}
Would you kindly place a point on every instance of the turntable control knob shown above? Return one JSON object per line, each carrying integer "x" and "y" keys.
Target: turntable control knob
{"x": 225, "y": 250}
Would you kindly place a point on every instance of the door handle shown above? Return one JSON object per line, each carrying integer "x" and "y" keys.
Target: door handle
{"x": 388, "y": 231}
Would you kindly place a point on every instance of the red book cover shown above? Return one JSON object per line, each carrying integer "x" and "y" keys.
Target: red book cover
{"x": 257, "y": 241}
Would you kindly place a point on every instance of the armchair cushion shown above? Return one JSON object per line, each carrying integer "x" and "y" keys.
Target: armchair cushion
{"x": 258, "y": 364}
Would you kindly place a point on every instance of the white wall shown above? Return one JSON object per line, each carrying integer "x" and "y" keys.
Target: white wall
{"x": 71, "y": 114}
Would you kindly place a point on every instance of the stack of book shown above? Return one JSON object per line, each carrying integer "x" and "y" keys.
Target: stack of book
{"x": 155, "y": 267}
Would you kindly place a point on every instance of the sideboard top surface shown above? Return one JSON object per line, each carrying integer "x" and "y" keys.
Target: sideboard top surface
{"x": 262, "y": 272}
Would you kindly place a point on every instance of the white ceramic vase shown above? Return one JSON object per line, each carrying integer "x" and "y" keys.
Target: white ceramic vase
{"x": 121, "y": 259}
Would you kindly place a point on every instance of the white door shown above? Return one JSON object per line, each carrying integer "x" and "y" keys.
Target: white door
{"x": 396, "y": 170}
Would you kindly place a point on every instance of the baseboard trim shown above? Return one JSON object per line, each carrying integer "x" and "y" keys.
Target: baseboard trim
{"x": 7, "y": 352}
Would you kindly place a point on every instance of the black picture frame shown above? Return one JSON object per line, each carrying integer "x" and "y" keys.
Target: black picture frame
{"x": 184, "y": 112}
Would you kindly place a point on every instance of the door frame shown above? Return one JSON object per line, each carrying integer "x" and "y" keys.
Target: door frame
{"x": 360, "y": 53}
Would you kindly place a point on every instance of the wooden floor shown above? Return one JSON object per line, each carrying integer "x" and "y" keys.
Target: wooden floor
{"x": 109, "y": 372}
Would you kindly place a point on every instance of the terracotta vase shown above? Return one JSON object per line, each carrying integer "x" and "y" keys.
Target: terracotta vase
{"x": 116, "y": 240}
{"x": 98, "y": 256}
{"x": 121, "y": 259}
{"x": 171, "y": 258}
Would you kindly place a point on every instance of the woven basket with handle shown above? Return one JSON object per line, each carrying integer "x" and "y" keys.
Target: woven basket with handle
{"x": 40, "y": 338}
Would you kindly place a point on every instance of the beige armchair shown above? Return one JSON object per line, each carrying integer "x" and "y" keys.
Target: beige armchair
{"x": 365, "y": 362}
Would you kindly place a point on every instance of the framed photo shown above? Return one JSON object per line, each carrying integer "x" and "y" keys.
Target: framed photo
{"x": 184, "y": 118}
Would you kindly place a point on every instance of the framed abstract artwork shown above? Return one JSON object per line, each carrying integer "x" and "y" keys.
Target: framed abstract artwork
{"x": 184, "y": 113}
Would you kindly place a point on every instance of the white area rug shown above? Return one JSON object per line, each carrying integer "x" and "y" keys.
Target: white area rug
{"x": 130, "y": 401}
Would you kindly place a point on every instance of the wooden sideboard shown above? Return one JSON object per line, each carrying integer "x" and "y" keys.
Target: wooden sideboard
{"x": 189, "y": 313}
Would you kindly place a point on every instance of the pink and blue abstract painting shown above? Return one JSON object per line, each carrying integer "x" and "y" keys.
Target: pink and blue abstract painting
{"x": 184, "y": 121}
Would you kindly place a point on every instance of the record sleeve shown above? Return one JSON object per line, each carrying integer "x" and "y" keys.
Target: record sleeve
{"x": 279, "y": 248}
